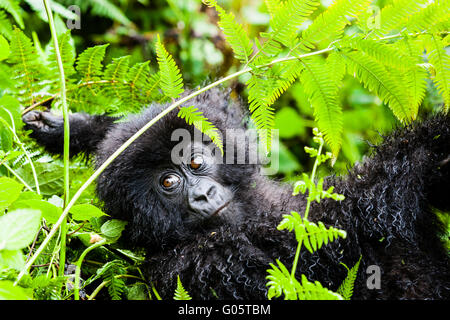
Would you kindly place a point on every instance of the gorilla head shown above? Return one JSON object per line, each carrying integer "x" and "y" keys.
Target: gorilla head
{"x": 164, "y": 193}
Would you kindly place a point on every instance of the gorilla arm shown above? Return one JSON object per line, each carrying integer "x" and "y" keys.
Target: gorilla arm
{"x": 86, "y": 131}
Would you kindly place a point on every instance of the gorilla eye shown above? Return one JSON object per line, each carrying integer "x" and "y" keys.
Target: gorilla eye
{"x": 170, "y": 181}
{"x": 196, "y": 162}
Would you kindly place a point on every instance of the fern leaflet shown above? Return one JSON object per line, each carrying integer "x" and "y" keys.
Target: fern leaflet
{"x": 346, "y": 287}
{"x": 441, "y": 62}
{"x": 180, "y": 292}
{"x": 374, "y": 76}
{"x": 235, "y": 34}
{"x": 194, "y": 116}
{"x": 281, "y": 282}
{"x": 322, "y": 93}
{"x": 171, "y": 80}
{"x": 89, "y": 62}
{"x": 311, "y": 235}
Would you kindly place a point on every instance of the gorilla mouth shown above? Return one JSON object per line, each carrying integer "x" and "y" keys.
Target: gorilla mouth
{"x": 217, "y": 212}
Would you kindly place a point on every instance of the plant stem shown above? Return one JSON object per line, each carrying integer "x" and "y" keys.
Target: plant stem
{"x": 62, "y": 253}
{"x": 308, "y": 205}
{"x": 17, "y": 176}
{"x": 78, "y": 268}
{"x": 126, "y": 144}
{"x": 25, "y": 152}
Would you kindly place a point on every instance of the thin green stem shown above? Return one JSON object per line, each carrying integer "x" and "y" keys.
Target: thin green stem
{"x": 308, "y": 205}
{"x": 78, "y": 266}
{"x": 17, "y": 176}
{"x": 62, "y": 254}
{"x": 25, "y": 152}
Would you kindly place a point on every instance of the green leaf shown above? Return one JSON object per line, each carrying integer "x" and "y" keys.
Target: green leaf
{"x": 112, "y": 229}
{"x": 374, "y": 76}
{"x": 50, "y": 177}
{"x": 26, "y": 66}
{"x": 18, "y": 228}
{"x": 285, "y": 24}
{"x": 9, "y": 192}
{"x": 12, "y": 259}
{"x": 13, "y": 8}
{"x": 331, "y": 23}
{"x": 4, "y": 48}
{"x": 171, "y": 80}
{"x": 85, "y": 212}
{"x": 346, "y": 287}
{"x": 180, "y": 292}
{"x": 234, "y": 33}
{"x": 440, "y": 60}
{"x": 89, "y": 62}
{"x": 49, "y": 212}
{"x": 312, "y": 235}
{"x": 8, "y": 291}
{"x": 194, "y": 116}
{"x": 322, "y": 93}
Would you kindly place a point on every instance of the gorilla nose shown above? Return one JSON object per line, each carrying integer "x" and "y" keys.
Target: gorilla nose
{"x": 204, "y": 192}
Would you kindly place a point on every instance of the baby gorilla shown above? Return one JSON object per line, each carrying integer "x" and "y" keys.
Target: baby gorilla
{"x": 214, "y": 224}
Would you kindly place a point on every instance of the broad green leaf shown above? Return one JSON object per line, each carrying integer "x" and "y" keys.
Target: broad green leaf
{"x": 50, "y": 177}
{"x": 112, "y": 229}
{"x": 49, "y": 211}
{"x": 12, "y": 259}
{"x": 18, "y": 228}
{"x": 4, "y": 48}
{"x": 9, "y": 192}
{"x": 85, "y": 212}
{"x": 10, "y": 292}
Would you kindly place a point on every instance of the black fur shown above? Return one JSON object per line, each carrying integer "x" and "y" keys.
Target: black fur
{"x": 386, "y": 213}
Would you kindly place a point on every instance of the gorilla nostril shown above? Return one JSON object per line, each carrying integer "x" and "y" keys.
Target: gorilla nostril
{"x": 201, "y": 197}
{"x": 211, "y": 192}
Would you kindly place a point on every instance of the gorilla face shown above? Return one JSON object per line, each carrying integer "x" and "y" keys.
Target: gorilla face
{"x": 195, "y": 184}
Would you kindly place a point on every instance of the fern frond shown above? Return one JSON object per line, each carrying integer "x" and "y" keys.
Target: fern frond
{"x": 116, "y": 73}
{"x": 143, "y": 85}
{"x": 281, "y": 282}
{"x": 5, "y": 26}
{"x": 13, "y": 8}
{"x": 433, "y": 18}
{"x": 440, "y": 60}
{"x": 322, "y": 93}
{"x": 180, "y": 292}
{"x": 331, "y": 23}
{"x": 110, "y": 272}
{"x": 26, "y": 66}
{"x": 393, "y": 17}
{"x": 234, "y": 33}
{"x": 89, "y": 62}
{"x": 346, "y": 287}
{"x": 273, "y": 6}
{"x": 373, "y": 75}
{"x": 415, "y": 77}
{"x": 171, "y": 80}
{"x": 194, "y": 116}
{"x": 315, "y": 291}
{"x": 107, "y": 9}
{"x": 309, "y": 234}
{"x": 384, "y": 53}
{"x": 285, "y": 24}
{"x": 260, "y": 88}
{"x": 336, "y": 66}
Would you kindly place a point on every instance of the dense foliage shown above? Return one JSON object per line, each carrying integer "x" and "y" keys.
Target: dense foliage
{"x": 350, "y": 67}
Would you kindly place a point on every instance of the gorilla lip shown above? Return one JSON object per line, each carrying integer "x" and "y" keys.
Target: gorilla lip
{"x": 217, "y": 212}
